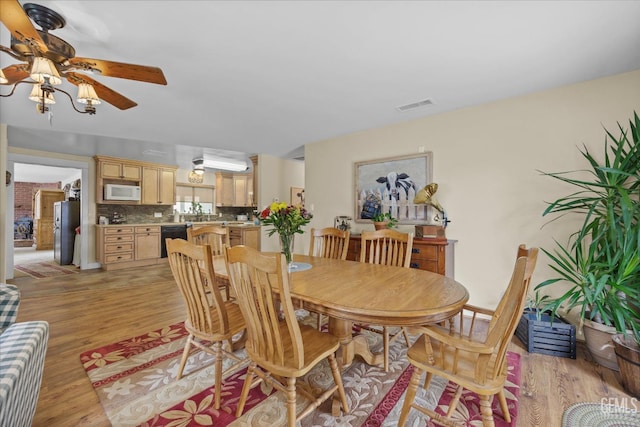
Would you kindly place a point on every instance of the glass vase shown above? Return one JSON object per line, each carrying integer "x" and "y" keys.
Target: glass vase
{"x": 286, "y": 247}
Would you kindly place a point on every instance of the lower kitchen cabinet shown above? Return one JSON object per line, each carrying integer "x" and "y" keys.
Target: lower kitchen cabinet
{"x": 125, "y": 246}
{"x": 147, "y": 242}
{"x": 245, "y": 235}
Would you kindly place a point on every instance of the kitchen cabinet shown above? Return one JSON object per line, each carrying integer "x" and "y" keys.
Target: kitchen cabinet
{"x": 224, "y": 189}
{"x": 434, "y": 255}
{"x": 244, "y": 235}
{"x": 234, "y": 189}
{"x": 158, "y": 185}
{"x": 115, "y": 245}
{"x": 157, "y": 181}
{"x": 126, "y": 246}
{"x": 43, "y": 201}
{"x": 147, "y": 242}
{"x": 119, "y": 169}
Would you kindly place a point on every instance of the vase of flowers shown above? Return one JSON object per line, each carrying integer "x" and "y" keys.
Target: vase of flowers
{"x": 287, "y": 221}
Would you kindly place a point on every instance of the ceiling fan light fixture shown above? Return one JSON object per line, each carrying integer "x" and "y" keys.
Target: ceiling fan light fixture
{"x": 87, "y": 94}
{"x": 3, "y": 78}
{"x": 44, "y": 68}
{"x": 38, "y": 95}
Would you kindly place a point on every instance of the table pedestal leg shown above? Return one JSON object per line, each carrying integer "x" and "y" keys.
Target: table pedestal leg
{"x": 350, "y": 345}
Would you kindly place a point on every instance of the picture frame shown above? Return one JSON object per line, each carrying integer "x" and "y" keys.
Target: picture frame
{"x": 390, "y": 185}
{"x": 297, "y": 196}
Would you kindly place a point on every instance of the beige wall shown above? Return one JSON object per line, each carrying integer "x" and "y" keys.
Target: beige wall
{"x": 5, "y": 225}
{"x": 276, "y": 176}
{"x": 486, "y": 162}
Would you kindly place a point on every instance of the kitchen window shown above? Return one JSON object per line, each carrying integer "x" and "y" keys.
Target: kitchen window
{"x": 187, "y": 195}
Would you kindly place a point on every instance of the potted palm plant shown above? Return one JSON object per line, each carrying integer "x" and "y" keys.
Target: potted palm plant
{"x": 601, "y": 260}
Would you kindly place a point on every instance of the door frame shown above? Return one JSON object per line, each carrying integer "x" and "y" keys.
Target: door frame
{"x": 13, "y": 158}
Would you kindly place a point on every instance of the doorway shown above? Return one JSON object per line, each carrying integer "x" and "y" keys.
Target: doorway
{"x": 27, "y": 168}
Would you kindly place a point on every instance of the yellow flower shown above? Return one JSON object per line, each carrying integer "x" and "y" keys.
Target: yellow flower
{"x": 276, "y": 206}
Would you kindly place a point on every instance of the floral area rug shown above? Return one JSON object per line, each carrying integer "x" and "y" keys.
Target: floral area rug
{"x": 135, "y": 380}
{"x": 40, "y": 270}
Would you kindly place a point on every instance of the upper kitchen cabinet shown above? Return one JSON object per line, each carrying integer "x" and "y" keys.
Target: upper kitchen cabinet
{"x": 224, "y": 189}
{"x": 157, "y": 182}
{"x": 234, "y": 189}
{"x": 119, "y": 169}
{"x": 158, "y": 185}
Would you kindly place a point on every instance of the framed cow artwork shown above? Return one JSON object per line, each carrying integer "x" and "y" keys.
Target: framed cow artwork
{"x": 390, "y": 185}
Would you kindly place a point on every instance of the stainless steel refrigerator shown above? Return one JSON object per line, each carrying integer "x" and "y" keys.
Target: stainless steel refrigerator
{"x": 66, "y": 218}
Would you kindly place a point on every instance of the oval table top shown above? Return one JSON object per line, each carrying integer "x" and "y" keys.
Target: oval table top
{"x": 377, "y": 294}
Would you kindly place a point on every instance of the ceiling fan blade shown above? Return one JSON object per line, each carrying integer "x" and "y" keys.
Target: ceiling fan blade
{"x": 119, "y": 69}
{"x": 18, "y": 23}
{"x": 16, "y": 72}
{"x": 106, "y": 94}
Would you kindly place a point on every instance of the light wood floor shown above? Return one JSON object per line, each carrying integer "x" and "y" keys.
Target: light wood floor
{"x": 94, "y": 308}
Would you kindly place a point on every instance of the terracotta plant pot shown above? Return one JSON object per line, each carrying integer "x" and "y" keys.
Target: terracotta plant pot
{"x": 381, "y": 225}
{"x": 598, "y": 340}
{"x": 628, "y": 355}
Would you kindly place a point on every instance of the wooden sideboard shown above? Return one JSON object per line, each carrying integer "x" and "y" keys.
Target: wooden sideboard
{"x": 434, "y": 255}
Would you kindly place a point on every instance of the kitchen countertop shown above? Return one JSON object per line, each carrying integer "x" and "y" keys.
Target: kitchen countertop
{"x": 222, "y": 223}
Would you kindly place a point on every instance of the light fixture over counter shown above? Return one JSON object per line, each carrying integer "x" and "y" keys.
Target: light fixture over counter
{"x": 222, "y": 163}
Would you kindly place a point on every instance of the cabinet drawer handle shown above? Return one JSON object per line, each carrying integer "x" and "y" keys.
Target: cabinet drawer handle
{"x": 413, "y": 265}
{"x": 415, "y": 250}
{"x": 119, "y": 247}
{"x": 119, "y": 238}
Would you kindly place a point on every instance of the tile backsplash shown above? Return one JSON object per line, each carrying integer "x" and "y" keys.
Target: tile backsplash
{"x": 142, "y": 214}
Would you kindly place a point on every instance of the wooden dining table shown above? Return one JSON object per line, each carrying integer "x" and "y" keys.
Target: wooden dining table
{"x": 350, "y": 291}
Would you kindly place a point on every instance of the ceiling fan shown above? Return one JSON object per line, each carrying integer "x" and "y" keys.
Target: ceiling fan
{"x": 39, "y": 48}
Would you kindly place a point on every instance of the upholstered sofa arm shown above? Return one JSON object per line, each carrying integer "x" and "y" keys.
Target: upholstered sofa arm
{"x": 9, "y": 302}
{"x": 22, "y": 351}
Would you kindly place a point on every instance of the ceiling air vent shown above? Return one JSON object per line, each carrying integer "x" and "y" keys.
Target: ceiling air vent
{"x": 414, "y": 105}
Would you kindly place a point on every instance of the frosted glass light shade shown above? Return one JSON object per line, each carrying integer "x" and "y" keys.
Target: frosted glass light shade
{"x": 87, "y": 93}
{"x": 37, "y": 94}
{"x": 225, "y": 164}
{"x": 43, "y": 67}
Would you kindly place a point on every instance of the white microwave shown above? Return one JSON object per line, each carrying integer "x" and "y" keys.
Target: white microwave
{"x": 122, "y": 192}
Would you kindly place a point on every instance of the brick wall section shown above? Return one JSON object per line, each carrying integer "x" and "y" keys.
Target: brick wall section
{"x": 23, "y": 197}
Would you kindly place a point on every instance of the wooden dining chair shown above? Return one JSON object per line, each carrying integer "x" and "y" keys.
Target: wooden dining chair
{"x": 211, "y": 321}
{"x": 216, "y": 237}
{"x": 469, "y": 355}
{"x": 329, "y": 242}
{"x": 281, "y": 349}
{"x": 393, "y": 248}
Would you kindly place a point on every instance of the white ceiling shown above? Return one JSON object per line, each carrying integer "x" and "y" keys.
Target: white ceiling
{"x": 29, "y": 173}
{"x": 271, "y": 76}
